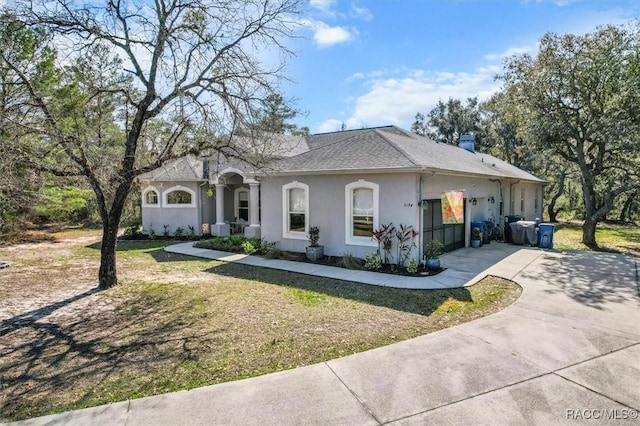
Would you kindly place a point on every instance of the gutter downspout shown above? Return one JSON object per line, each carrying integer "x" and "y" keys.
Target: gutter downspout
{"x": 511, "y": 194}
{"x": 500, "y": 206}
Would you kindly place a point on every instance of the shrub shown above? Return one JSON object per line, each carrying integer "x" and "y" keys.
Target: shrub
{"x": 133, "y": 231}
{"x": 248, "y": 246}
{"x": 372, "y": 262}
{"x": 235, "y": 244}
{"x": 165, "y": 233}
{"x": 67, "y": 203}
{"x": 178, "y": 232}
{"x": 192, "y": 232}
{"x": 314, "y": 236}
{"x": 152, "y": 233}
{"x": 413, "y": 266}
{"x": 433, "y": 249}
{"x": 406, "y": 236}
{"x": 349, "y": 261}
{"x": 384, "y": 238}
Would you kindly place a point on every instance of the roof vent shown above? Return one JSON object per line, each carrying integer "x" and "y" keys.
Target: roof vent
{"x": 468, "y": 142}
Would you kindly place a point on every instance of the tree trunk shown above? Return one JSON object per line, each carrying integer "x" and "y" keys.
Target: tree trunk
{"x": 553, "y": 214}
{"x": 589, "y": 233}
{"x": 625, "y": 213}
{"x": 107, "y": 277}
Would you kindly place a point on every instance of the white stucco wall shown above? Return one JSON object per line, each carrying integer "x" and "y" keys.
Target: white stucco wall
{"x": 398, "y": 196}
{"x": 157, "y": 216}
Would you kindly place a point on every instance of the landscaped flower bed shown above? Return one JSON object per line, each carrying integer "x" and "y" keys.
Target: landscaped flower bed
{"x": 238, "y": 244}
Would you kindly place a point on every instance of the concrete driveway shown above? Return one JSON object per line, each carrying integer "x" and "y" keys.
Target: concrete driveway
{"x": 567, "y": 350}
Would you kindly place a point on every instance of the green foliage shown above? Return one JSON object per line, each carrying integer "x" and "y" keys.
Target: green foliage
{"x": 314, "y": 236}
{"x": 152, "y": 233}
{"x": 66, "y": 203}
{"x": 248, "y": 246}
{"x": 349, "y": 261}
{"x": 448, "y": 121}
{"x": 191, "y": 233}
{"x": 576, "y": 101}
{"x": 372, "y": 262}
{"x": 413, "y": 266}
{"x": 236, "y": 244}
{"x": 178, "y": 232}
{"x": 434, "y": 248}
{"x": 133, "y": 231}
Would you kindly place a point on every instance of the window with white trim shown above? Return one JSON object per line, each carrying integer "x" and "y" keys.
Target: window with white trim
{"x": 295, "y": 208}
{"x": 150, "y": 198}
{"x": 242, "y": 204}
{"x": 361, "y": 212}
{"x": 179, "y": 196}
{"x": 522, "y": 193}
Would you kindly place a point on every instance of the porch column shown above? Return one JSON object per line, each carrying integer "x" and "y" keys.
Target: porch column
{"x": 220, "y": 229}
{"x": 219, "y": 204}
{"x": 253, "y": 230}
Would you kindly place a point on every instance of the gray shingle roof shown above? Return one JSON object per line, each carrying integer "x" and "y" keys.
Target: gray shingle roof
{"x": 383, "y": 148}
{"x": 386, "y": 148}
{"x": 184, "y": 169}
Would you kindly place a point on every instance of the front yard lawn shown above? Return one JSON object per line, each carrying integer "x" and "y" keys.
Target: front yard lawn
{"x": 176, "y": 322}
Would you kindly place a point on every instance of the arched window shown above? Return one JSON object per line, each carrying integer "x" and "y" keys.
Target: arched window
{"x": 179, "y": 196}
{"x": 295, "y": 210}
{"x": 150, "y": 198}
{"x": 361, "y": 212}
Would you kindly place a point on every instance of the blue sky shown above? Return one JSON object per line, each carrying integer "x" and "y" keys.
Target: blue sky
{"x": 377, "y": 62}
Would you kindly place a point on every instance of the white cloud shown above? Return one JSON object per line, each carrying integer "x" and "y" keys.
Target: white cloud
{"x": 360, "y": 13}
{"x": 323, "y": 5}
{"x": 326, "y": 36}
{"x": 395, "y": 100}
{"x": 520, "y": 50}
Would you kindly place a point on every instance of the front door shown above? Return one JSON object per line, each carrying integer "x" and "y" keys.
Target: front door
{"x": 452, "y": 236}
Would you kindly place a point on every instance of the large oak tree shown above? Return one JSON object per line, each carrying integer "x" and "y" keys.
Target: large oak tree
{"x": 113, "y": 70}
{"x": 578, "y": 100}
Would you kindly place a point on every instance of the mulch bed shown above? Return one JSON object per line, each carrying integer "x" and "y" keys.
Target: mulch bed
{"x": 338, "y": 262}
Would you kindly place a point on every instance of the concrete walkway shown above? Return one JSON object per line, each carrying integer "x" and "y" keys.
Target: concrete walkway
{"x": 463, "y": 267}
{"x": 568, "y": 349}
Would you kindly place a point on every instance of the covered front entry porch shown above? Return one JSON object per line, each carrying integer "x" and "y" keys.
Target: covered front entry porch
{"x": 237, "y": 204}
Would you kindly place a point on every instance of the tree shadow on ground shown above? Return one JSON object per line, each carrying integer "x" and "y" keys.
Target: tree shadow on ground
{"x": 421, "y": 302}
{"x": 592, "y": 278}
{"x": 65, "y": 345}
{"x": 154, "y": 248}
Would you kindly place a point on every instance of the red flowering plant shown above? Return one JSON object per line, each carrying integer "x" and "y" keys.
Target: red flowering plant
{"x": 384, "y": 238}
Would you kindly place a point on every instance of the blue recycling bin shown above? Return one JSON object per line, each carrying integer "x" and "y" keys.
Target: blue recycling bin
{"x": 545, "y": 235}
{"x": 481, "y": 226}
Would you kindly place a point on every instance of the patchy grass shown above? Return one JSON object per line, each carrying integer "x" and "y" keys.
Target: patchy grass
{"x": 176, "y": 322}
{"x": 610, "y": 237}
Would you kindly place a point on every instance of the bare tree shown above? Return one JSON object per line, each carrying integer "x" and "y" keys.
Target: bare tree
{"x": 201, "y": 67}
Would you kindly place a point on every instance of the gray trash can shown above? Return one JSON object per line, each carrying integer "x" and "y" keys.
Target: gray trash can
{"x": 545, "y": 235}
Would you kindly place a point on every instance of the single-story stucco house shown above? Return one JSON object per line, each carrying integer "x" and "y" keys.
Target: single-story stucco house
{"x": 348, "y": 183}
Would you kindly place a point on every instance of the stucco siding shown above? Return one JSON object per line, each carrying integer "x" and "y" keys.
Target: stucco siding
{"x": 157, "y": 216}
{"x": 397, "y": 203}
